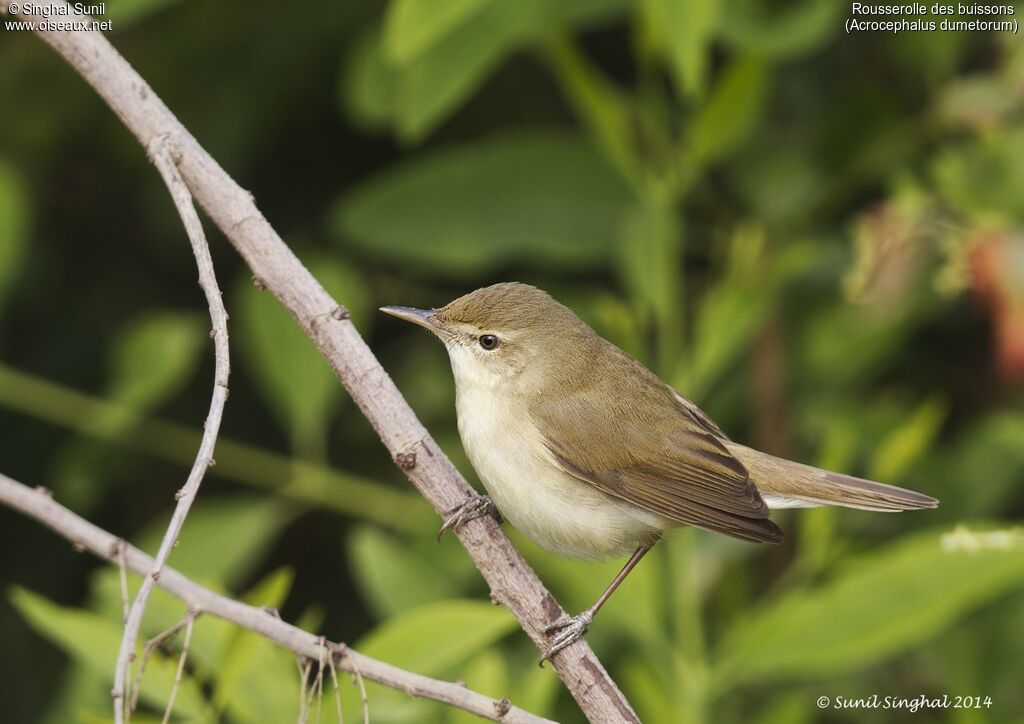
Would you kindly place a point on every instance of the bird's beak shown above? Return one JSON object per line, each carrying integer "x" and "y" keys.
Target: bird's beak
{"x": 423, "y": 317}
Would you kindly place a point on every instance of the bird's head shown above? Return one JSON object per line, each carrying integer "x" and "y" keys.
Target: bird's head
{"x": 505, "y": 335}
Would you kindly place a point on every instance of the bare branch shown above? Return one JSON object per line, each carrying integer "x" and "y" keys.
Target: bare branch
{"x": 38, "y": 504}
{"x": 512, "y": 582}
{"x": 161, "y": 154}
{"x": 152, "y": 645}
{"x": 122, "y": 576}
{"x": 191, "y": 622}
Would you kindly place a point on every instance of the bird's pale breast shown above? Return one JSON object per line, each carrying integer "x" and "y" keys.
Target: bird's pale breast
{"x": 555, "y": 510}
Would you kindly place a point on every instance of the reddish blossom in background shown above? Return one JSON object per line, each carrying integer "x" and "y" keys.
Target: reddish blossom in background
{"x": 996, "y": 268}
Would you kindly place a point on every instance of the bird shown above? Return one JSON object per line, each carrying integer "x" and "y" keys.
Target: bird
{"x": 591, "y": 455}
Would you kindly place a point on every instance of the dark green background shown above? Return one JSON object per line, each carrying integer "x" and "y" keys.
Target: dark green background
{"x": 817, "y": 237}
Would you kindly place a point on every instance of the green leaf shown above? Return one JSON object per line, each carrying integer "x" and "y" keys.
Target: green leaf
{"x": 82, "y": 472}
{"x": 413, "y": 26}
{"x": 367, "y": 84}
{"x": 438, "y": 636}
{"x": 257, "y": 680}
{"x": 991, "y": 449}
{"x": 162, "y": 612}
{"x": 81, "y": 690}
{"x": 292, "y": 375}
{"x": 394, "y": 577}
{"x": 428, "y": 90}
{"x": 432, "y": 640}
{"x": 419, "y": 95}
{"x": 649, "y": 689}
{"x": 732, "y": 111}
{"x": 909, "y": 442}
{"x": 537, "y": 690}
{"x": 224, "y": 537}
{"x": 606, "y": 111}
{"x": 651, "y": 261}
{"x": 794, "y": 30}
{"x": 684, "y": 31}
{"x": 223, "y": 540}
{"x": 151, "y": 359}
{"x": 878, "y": 606}
{"x": 544, "y": 199}
{"x": 981, "y": 177}
{"x": 444, "y": 77}
{"x": 729, "y": 317}
{"x": 778, "y": 182}
{"x": 843, "y": 345}
{"x": 14, "y": 223}
{"x": 153, "y": 356}
{"x": 93, "y": 641}
{"x": 486, "y": 674}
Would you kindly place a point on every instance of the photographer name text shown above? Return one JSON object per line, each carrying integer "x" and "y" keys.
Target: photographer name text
{"x": 47, "y": 11}
{"x": 54, "y": 17}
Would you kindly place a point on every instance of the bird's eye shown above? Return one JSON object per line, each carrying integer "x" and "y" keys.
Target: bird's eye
{"x": 488, "y": 341}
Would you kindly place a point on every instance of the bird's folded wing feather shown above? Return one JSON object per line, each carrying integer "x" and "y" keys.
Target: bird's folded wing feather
{"x": 659, "y": 456}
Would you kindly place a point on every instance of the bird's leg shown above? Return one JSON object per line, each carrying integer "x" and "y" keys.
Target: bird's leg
{"x": 476, "y": 507}
{"x": 573, "y": 628}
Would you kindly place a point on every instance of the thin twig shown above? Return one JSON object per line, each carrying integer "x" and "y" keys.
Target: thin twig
{"x": 318, "y": 685}
{"x": 161, "y": 154}
{"x": 512, "y": 582}
{"x": 40, "y": 506}
{"x": 358, "y": 673}
{"x": 337, "y": 689}
{"x": 304, "y": 666}
{"x": 152, "y": 645}
{"x": 191, "y": 618}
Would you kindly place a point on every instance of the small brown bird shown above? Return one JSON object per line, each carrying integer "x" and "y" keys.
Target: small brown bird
{"x": 590, "y": 454}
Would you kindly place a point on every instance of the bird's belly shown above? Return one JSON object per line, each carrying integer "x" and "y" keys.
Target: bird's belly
{"x": 555, "y": 510}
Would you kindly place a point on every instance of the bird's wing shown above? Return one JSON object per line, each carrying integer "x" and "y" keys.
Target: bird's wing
{"x": 701, "y": 417}
{"x": 659, "y": 456}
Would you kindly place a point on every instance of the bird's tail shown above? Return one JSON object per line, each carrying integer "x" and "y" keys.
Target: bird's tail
{"x": 786, "y": 484}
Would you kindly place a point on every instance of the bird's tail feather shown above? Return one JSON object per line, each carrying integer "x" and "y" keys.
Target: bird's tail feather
{"x": 786, "y": 484}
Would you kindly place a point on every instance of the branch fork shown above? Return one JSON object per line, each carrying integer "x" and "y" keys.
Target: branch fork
{"x": 189, "y": 171}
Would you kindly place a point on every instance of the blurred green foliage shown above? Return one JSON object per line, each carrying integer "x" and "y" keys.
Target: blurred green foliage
{"x": 818, "y": 238}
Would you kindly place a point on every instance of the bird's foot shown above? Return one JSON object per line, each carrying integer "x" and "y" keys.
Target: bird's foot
{"x": 476, "y": 507}
{"x": 572, "y": 630}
